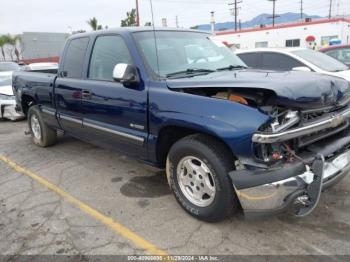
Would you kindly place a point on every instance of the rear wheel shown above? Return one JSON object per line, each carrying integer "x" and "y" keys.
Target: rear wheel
{"x": 197, "y": 170}
{"x": 42, "y": 135}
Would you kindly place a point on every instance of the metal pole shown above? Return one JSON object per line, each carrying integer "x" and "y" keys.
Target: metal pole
{"x": 235, "y": 11}
{"x": 330, "y": 9}
{"x": 137, "y": 13}
{"x": 273, "y": 12}
{"x": 212, "y": 22}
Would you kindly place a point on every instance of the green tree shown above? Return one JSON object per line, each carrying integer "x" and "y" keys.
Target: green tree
{"x": 13, "y": 41}
{"x": 130, "y": 19}
{"x": 93, "y": 23}
{"x": 4, "y": 40}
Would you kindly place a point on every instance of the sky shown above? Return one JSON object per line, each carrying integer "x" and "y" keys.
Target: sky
{"x": 17, "y": 16}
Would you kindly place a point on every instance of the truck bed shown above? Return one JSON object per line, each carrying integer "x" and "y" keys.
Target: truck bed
{"x": 38, "y": 85}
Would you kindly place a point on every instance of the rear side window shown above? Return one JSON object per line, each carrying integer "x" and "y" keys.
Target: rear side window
{"x": 250, "y": 59}
{"x": 279, "y": 62}
{"x": 74, "y": 57}
{"x": 108, "y": 51}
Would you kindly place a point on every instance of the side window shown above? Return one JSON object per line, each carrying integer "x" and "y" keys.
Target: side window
{"x": 250, "y": 59}
{"x": 280, "y": 62}
{"x": 74, "y": 57}
{"x": 107, "y": 52}
{"x": 292, "y": 42}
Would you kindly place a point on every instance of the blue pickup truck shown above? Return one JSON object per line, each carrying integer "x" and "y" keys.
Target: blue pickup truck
{"x": 229, "y": 137}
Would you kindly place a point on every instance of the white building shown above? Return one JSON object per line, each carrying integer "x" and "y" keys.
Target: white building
{"x": 290, "y": 35}
{"x": 39, "y": 46}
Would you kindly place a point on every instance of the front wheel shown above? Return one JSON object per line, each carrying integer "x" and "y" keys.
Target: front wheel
{"x": 197, "y": 171}
{"x": 42, "y": 134}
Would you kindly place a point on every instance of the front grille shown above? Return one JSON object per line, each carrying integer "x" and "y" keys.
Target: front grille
{"x": 308, "y": 117}
{"x": 313, "y": 137}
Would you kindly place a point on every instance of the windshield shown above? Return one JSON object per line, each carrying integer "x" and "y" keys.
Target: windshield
{"x": 321, "y": 60}
{"x": 341, "y": 54}
{"x": 5, "y": 80}
{"x": 185, "y": 51}
{"x": 8, "y": 66}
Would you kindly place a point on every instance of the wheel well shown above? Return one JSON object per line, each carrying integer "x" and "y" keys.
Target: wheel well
{"x": 169, "y": 135}
{"x": 26, "y": 102}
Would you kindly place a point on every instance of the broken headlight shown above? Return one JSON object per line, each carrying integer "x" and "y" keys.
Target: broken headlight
{"x": 282, "y": 120}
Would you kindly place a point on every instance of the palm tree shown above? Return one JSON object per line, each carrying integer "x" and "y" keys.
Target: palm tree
{"x": 4, "y": 40}
{"x": 13, "y": 40}
{"x": 94, "y": 24}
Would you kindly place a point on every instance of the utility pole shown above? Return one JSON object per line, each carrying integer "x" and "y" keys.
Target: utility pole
{"x": 330, "y": 9}
{"x": 137, "y": 13}
{"x": 234, "y": 11}
{"x": 177, "y": 21}
{"x": 273, "y": 12}
{"x": 164, "y": 22}
{"x": 301, "y": 9}
{"x": 212, "y": 22}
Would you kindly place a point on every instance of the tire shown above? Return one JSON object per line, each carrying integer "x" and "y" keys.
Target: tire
{"x": 42, "y": 135}
{"x": 211, "y": 161}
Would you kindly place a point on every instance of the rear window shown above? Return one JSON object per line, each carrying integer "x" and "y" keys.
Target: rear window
{"x": 250, "y": 59}
{"x": 74, "y": 57}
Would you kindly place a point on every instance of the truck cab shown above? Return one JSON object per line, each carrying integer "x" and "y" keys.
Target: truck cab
{"x": 229, "y": 137}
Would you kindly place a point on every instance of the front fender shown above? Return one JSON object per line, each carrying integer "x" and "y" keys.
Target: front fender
{"x": 231, "y": 122}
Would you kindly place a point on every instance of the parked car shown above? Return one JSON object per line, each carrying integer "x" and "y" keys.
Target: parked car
{"x": 9, "y": 66}
{"x": 42, "y": 67}
{"x": 7, "y": 98}
{"x": 227, "y": 136}
{"x": 300, "y": 59}
{"x": 339, "y": 52}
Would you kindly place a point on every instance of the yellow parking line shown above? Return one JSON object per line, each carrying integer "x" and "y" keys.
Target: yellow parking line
{"x": 115, "y": 226}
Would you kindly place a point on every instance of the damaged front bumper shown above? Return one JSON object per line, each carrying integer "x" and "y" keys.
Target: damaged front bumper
{"x": 272, "y": 191}
{"x": 8, "y": 110}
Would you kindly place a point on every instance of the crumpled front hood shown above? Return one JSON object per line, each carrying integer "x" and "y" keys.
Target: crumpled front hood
{"x": 301, "y": 89}
{"x": 6, "y": 90}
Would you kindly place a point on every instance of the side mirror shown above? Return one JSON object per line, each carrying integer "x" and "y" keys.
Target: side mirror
{"x": 301, "y": 68}
{"x": 126, "y": 74}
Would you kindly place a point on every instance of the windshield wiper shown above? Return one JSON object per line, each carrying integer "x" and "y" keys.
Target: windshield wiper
{"x": 191, "y": 72}
{"x": 231, "y": 67}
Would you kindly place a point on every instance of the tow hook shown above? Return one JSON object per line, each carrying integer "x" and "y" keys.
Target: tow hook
{"x": 308, "y": 201}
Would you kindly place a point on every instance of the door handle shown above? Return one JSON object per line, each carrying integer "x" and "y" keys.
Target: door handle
{"x": 86, "y": 94}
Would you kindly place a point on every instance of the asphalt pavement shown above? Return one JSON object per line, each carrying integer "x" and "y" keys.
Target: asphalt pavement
{"x": 75, "y": 198}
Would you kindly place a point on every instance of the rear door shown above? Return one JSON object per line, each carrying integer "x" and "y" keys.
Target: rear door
{"x": 114, "y": 116}
{"x": 69, "y": 86}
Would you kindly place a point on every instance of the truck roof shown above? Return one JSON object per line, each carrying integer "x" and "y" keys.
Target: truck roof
{"x": 121, "y": 30}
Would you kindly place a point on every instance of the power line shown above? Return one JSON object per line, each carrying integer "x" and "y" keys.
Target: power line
{"x": 273, "y": 12}
{"x": 235, "y": 11}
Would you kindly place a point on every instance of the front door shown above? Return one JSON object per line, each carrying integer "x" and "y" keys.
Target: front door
{"x": 114, "y": 116}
